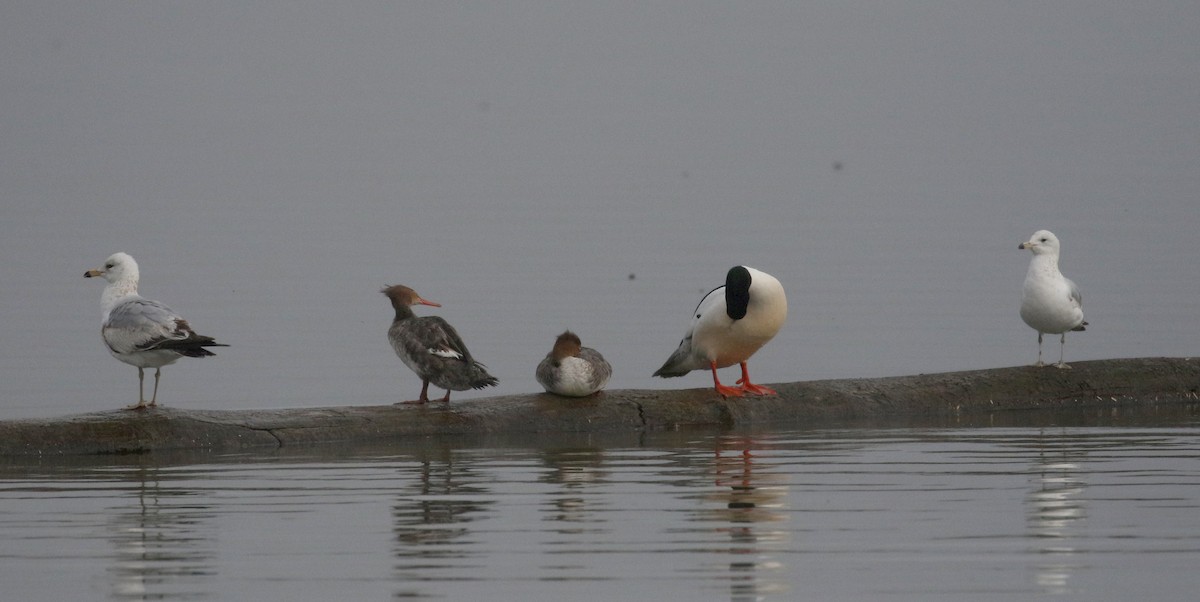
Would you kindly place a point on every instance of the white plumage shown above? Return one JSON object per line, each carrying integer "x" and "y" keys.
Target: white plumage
{"x": 571, "y": 369}
{"x": 139, "y": 331}
{"x": 729, "y": 325}
{"x": 1050, "y": 302}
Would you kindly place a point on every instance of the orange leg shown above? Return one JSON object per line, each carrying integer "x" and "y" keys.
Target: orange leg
{"x": 750, "y": 387}
{"x": 424, "y": 394}
{"x": 722, "y": 389}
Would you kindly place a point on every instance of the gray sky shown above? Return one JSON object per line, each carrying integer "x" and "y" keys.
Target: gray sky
{"x": 272, "y": 164}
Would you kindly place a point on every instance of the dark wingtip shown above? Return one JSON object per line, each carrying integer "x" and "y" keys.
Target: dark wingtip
{"x": 487, "y": 382}
{"x": 195, "y": 352}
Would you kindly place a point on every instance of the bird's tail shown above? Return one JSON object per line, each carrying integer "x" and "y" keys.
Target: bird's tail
{"x": 193, "y": 346}
{"x": 679, "y": 363}
{"x": 1080, "y": 327}
{"x": 480, "y": 377}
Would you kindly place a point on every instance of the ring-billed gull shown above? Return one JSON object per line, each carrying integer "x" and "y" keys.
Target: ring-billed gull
{"x": 1050, "y": 302}
{"x": 432, "y": 348}
{"x": 730, "y": 324}
{"x": 571, "y": 369}
{"x": 141, "y": 332}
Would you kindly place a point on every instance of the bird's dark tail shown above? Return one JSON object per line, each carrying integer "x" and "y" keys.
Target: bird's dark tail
{"x": 480, "y": 377}
{"x": 679, "y": 362}
{"x": 193, "y": 346}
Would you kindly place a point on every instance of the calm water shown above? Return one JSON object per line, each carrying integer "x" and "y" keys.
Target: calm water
{"x": 1098, "y": 512}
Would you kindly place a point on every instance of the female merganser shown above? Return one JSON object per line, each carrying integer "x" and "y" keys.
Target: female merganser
{"x": 571, "y": 369}
{"x": 141, "y": 332}
{"x": 1050, "y": 302}
{"x": 731, "y": 323}
{"x": 432, "y": 348}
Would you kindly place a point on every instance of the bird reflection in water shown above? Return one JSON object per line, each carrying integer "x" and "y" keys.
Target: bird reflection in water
{"x": 430, "y": 519}
{"x": 161, "y": 549}
{"x": 1055, "y": 511}
{"x": 750, "y": 498}
{"x": 573, "y": 469}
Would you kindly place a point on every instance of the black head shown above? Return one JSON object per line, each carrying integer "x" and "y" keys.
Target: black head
{"x": 737, "y": 292}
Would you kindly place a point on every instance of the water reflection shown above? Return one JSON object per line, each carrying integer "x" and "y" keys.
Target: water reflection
{"x": 431, "y": 519}
{"x": 162, "y": 548}
{"x": 905, "y": 514}
{"x": 573, "y": 469}
{"x": 1055, "y": 513}
{"x": 747, "y": 502}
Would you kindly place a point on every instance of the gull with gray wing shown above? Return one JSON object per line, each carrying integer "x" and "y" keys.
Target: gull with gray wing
{"x": 142, "y": 332}
{"x": 1050, "y": 302}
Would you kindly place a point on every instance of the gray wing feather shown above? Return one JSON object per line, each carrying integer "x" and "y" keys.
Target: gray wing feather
{"x": 1077, "y": 297}
{"x": 682, "y": 360}
{"x": 601, "y": 369}
{"x": 138, "y": 324}
{"x": 1075, "y": 294}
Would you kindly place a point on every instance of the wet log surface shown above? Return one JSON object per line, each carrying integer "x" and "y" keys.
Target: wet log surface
{"x": 1092, "y": 384}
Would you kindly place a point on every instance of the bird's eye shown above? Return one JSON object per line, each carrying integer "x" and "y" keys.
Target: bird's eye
{"x": 1045, "y": 239}
{"x": 108, "y": 266}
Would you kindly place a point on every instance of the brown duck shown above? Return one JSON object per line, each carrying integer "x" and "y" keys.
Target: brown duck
{"x": 432, "y": 348}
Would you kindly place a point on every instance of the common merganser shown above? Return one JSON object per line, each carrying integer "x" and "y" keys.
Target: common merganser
{"x": 432, "y": 348}
{"x": 1050, "y": 302}
{"x": 571, "y": 369}
{"x": 730, "y": 324}
{"x": 142, "y": 332}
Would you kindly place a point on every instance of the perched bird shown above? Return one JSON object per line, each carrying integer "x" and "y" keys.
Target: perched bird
{"x": 730, "y": 324}
{"x": 432, "y": 348}
{"x": 141, "y": 332}
{"x": 1050, "y": 302}
{"x": 571, "y": 369}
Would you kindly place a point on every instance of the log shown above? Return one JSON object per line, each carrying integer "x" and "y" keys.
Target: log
{"x": 1142, "y": 382}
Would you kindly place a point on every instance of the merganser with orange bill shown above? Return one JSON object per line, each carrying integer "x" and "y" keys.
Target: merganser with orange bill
{"x": 571, "y": 369}
{"x": 432, "y": 348}
{"x": 730, "y": 324}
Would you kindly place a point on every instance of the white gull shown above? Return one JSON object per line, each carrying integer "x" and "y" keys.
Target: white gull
{"x": 142, "y": 332}
{"x": 1050, "y": 302}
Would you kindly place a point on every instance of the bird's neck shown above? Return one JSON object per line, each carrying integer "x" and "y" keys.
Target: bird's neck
{"x": 114, "y": 292}
{"x": 1044, "y": 264}
{"x": 403, "y": 312}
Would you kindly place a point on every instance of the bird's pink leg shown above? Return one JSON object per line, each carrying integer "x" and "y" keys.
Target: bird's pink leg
{"x": 751, "y": 387}
{"x": 722, "y": 389}
{"x": 424, "y": 394}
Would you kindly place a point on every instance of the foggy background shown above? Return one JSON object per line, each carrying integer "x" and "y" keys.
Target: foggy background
{"x": 536, "y": 166}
